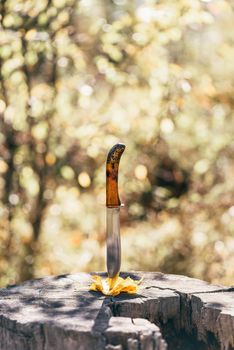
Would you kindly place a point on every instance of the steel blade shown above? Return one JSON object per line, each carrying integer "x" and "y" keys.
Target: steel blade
{"x": 113, "y": 241}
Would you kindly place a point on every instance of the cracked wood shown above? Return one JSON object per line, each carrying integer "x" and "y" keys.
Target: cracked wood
{"x": 61, "y": 313}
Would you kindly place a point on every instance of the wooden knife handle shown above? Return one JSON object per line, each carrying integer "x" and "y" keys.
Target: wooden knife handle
{"x": 112, "y": 168}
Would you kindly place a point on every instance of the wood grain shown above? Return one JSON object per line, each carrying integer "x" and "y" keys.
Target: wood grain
{"x": 61, "y": 313}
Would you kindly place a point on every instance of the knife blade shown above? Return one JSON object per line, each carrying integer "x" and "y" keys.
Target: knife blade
{"x": 113, "y": 241}
{"x": 113, "y": 205}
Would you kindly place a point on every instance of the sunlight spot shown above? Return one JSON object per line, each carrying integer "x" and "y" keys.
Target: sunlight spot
{"x": 2, "y": 106}
{"x": 86, "y": 90}
{"x": 3, "y": 166}
{"x": 84, "y": 179}
{"x": 40, "y": 131}
{"x": 144, "y": 14}
{"x": 201, "y": 166}
{"x": 63, "y": 62}
{"x": 14, "y": 199}
{"x": 231, "y": 211}
{"x": 167, "y": 126}
{"x": 199, "y": 238}
{"x": 219, "y": 246}
{"x": 141, "y": 172}
{"x": 67, "y": 172}
{"x": 50, "y": 158}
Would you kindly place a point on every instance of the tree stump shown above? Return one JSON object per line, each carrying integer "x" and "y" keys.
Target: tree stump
{"x": 169, "y": 312}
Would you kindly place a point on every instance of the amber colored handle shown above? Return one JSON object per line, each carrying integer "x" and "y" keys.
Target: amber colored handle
{"x": 112, "y": 167}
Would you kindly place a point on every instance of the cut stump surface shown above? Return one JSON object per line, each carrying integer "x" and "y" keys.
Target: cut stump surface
{"x": 169, "y": 312}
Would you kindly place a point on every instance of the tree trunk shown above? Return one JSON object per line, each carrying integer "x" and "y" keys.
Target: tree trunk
{"x": 169, "y": 311}
{"x": 31, "y": 249}
{"x": 27, "y": 264}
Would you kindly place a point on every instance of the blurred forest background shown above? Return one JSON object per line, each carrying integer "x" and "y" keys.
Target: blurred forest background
{"x": 79, "y": 76}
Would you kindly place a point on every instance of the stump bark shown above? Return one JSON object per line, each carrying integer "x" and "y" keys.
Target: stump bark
{"x": 169, "y": 312}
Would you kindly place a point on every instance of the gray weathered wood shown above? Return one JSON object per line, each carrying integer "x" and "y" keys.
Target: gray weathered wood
{"x": 61, "y": 313}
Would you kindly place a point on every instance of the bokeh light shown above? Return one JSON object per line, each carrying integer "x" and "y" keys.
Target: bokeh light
{"x": 77, "y": 77}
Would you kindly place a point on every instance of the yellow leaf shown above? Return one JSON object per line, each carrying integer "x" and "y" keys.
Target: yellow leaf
{"x": 114, "y": 286}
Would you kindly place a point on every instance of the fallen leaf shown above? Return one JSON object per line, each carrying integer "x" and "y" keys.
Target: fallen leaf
{"x": 114, "y": 286}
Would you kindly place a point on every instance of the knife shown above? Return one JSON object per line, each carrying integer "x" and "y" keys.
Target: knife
{"x": 113, "y": 205}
